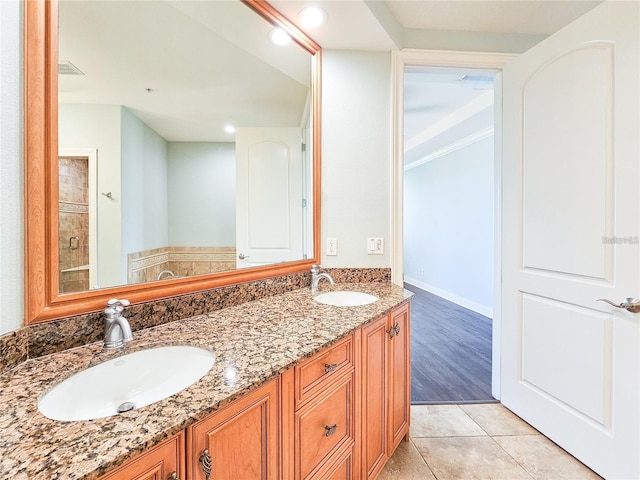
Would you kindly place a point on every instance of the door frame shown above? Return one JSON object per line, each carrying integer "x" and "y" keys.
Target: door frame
{"x": 447, "y": 59}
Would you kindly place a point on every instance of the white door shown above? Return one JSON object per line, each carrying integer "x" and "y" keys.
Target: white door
{"x": 269, "y": 196}
{"x": 571, "y": 211}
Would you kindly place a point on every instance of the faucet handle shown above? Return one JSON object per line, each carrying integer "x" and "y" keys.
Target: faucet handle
{"x": 316, "y": 268}
{"x": 115, "y": 303}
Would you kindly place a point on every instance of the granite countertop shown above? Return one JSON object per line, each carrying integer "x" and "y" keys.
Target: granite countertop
{"x": 260, "y": 339}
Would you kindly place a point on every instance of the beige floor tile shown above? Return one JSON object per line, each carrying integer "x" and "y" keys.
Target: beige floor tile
{"x": 495, "y": 419}
{"x": 543, "y": 459}
{"x": 470, "y": 458}
{"x": 442, "y": 421}
{"x": 406, "y": 464}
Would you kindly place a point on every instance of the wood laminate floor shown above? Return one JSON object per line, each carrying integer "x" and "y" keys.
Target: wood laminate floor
{"x": 450, "y": 352}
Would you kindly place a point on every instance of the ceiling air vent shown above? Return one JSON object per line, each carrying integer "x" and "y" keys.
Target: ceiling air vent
{"x": 68, "y": 68}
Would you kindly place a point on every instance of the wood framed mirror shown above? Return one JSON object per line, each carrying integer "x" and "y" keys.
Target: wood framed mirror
{"x": 44, "y": 239}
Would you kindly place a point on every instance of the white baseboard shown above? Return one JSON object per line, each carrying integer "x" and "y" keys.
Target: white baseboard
{"x": 452, "y": 297}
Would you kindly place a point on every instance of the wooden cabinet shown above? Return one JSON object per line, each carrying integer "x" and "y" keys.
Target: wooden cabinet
{"x": 238, "y": 441}
{"x": 165, "y": 461}
{"x": 386, "y": 388}
{"x": 324, "y": 419}
{"x": 399, "y": 404}
{"x": 337, "y": 415}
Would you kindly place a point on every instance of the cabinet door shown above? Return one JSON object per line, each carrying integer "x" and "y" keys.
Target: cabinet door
{"x": 162, "y": 462}
{"x": 399, "y": 376}
{"x": 240, "y": 440}
{"x": 374, "y": 396}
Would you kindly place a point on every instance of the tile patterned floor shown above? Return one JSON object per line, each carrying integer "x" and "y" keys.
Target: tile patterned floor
{"x": 478, "y": 442}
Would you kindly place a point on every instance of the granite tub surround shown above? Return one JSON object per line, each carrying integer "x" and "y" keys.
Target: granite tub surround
{"x": 253, "y": 342}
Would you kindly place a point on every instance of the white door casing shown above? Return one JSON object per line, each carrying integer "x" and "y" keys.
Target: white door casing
{"x": 448, "y": 59}
{"x": 269, "y": 196}
{"x": 571, "y": 217}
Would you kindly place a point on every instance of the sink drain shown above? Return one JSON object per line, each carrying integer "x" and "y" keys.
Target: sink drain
{"x": 125, "y": 407}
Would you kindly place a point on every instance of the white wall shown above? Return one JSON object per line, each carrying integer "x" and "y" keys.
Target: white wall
{"x": 448, "y": 226}
{"x": 202, "y": 194}
{"x": 11, "y": 171}
{"x": 144, "y": 188}
{"x": 98, "y": 127}
{"x": 356, "y": 155}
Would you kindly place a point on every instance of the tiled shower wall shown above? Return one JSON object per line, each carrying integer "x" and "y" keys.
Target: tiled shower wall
{"x": 145, "y": 266}
{"x": 73, "y": 212}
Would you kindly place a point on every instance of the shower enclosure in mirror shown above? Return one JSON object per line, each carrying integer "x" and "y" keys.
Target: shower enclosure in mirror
{"x": 170, "y": 147}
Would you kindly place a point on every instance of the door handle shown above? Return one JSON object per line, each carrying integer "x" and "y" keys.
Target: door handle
{"x": 242, "y": 256}
{"x": 630, "y": 304}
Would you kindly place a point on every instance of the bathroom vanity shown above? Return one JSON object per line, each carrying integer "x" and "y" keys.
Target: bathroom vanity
{"x": 299, "y": 389}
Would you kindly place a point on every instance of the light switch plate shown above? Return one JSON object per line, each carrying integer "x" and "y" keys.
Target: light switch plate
{"x": 375, "y": 246}
{"x": 332, "y": 247}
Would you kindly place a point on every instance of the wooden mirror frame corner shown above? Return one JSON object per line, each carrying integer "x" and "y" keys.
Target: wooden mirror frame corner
{"x": 43, "y": 302}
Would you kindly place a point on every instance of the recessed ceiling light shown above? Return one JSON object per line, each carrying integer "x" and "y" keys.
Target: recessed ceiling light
{"x": 279, "y": 37}
{"x": 312, "y": 17}
{"x": 229, "y": 128}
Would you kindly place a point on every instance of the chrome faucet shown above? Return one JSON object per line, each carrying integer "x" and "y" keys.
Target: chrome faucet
{"x": 316, "y": 277}
{"x": 117, "y": 330}
{"x": 167, "y": 272}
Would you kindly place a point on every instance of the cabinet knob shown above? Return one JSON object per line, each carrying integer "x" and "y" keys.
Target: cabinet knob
{"x": 173, "y": 476}
{"x": 391, "y": 332}
{"x": 330, "y": 367}
{"x": 396, "y": 327}
{"x": 330, "y": 430}
{"x": 206, "y": 463}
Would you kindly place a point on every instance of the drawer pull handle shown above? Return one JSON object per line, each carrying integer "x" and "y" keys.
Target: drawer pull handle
{"x": 173, "y": 476}
{"x": 205, "y": 463}
{"x": 394, "y": 330}
{"x": 330, "y": 430}
{"x": 330, "y": 367}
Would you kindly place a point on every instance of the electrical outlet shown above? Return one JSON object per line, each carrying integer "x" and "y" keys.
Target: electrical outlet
{"x": 332, "y": 246}
{"x": 375, "y": 246}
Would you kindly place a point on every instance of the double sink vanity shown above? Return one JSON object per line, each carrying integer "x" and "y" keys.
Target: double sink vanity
{"x": 295, "y": 385}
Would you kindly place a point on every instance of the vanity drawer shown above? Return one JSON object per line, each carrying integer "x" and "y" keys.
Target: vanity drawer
{"x": 325, "y": 426}
{"x": 312, "y": 375}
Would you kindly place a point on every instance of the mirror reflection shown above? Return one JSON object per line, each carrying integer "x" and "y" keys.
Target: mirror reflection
{"x": 184, "y": 142}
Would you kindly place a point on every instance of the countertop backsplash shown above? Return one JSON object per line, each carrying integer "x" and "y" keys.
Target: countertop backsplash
{"x": 41, "y": 339}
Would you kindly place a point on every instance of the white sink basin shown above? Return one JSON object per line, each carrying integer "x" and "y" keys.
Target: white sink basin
{"x": 125, "y": 383}
{"x": 343, "y": 298}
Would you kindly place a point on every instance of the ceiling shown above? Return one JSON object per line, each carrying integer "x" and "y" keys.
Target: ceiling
{"x": 383, "y": 25}
{"x": 188, "y": 93}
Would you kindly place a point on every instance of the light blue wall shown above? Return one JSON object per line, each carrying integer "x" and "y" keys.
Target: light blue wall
{"x": 448, "y": 226}
{"x": 11, "y": 171}
{"x": 356, "y": 155}
{"x": 145, "y": 223}
{"x": 202, "y": 194}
